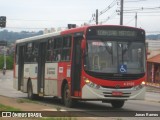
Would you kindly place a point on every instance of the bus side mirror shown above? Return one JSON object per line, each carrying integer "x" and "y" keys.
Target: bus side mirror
{"x": 83, "y": 44}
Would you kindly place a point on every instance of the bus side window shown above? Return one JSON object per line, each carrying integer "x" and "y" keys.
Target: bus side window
{"x": 28, "y": 52}
{"x": 66, "y": 50}
{"x": 25, "y": 56}
{"x": 50, "y": 54}
{"x": 34, "y": 52}
{"x": 57, "y": 50}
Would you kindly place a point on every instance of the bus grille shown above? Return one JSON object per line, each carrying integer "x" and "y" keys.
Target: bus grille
{"x": 116, "y": 88}
{"x": 108, "y": 94}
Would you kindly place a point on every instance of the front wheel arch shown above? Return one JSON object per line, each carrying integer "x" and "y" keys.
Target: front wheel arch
{"x": 67, "y": 99}
{"x": 117, "y": 103}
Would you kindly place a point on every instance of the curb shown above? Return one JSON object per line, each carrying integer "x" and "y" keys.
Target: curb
{"x": 152, "y": 89}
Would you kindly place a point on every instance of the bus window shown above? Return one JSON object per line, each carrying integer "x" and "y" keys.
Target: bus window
{"x": 66, "y": 50}
{"x": 57, "y": 50}
{"x": 58, "y": 43}
{"x": 50, "y": 53}
{"x": 34, "y": 52}
{"x": 28, "y": 52}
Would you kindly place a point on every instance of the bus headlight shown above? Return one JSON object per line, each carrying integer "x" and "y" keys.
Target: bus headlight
{"x": 138, "y": 87}
{"x": 91, "y": 84}
{"x": 143, "y": 83}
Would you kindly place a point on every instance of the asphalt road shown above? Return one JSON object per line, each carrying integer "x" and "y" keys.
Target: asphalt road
{"x": 99, "y": 109}
{"x": 6, "y": 86}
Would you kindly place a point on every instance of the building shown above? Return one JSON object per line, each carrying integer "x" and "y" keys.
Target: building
{"x": 153, "y": 71}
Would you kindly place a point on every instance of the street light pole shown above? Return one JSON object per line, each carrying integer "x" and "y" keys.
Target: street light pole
{"x": 136, "y": 20}
{"x": 96, "y": 16}
{"x": 4, "y": 57}
{"x": 121, "y": 13}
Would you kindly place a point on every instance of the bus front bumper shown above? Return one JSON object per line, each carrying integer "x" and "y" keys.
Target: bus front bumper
{"x": 101, "y": 93}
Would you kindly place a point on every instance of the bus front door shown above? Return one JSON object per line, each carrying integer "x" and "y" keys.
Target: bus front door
{"x": 76, "y": 66}
{"x": 21, "y": 53}
{"x": 41, "y": 68}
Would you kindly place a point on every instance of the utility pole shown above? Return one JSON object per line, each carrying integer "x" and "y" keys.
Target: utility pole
{"x": 96, "y": 16}
{"x": 4, "y": 57}
{"x": 3, "y": 25}
{"x": 121, "y": 13}
{"x": 136, "y": 20}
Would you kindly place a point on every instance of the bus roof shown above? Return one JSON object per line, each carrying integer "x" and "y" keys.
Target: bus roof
{"x": 68, "y": 31}
{"x": 37, "y": 37}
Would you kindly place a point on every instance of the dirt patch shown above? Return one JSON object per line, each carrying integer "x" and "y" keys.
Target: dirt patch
{"x": 24, "y": 106}
{"x": 30, "y": 106}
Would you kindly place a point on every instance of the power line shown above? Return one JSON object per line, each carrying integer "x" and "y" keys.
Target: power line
{"x": 157, "y": 15}
{"x": 41, "y": 20}
{"x": 109, "y": 17}
{"x": 24, "y": 28}
{"x": 108, "y": 8}
{"x": 150, "y": 12}
{"x": 135, "y": 0}
{"x": 111, "y": 5}
{"x": 130, "y": 21}
{"x": 143, "y": 12}
{"x": 30, "y": 28}
{"x": 142, "y": 8}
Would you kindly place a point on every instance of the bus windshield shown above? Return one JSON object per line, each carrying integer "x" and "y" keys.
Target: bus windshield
{"x": 105, "y": 56}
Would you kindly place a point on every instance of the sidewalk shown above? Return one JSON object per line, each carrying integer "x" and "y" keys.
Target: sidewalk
{"x": 152, "y": 89}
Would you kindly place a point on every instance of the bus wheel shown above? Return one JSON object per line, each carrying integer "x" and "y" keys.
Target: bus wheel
{"x": 117, "y": 103}
{"x": 67, "y": 100}
{"x": 30, "y": 91}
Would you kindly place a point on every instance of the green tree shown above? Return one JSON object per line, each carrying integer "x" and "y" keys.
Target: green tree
{"x": 9, "y": 62}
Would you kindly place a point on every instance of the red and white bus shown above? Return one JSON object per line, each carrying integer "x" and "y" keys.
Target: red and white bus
{"x": 103, "y": 63}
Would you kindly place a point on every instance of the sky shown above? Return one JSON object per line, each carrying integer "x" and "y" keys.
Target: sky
{"x": 34, "y": 15}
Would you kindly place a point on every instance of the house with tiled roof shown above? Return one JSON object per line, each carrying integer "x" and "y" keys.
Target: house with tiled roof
{"x": 153, "y": 71}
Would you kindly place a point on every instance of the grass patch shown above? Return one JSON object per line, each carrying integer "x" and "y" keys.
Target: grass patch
{"x": 119, "y": 118}
{"x": 58, "y": 118}
{"x": 25, "y": 101}
{"x": 8, "y": 108}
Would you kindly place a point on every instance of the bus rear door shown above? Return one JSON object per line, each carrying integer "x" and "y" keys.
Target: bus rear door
{"x": 21, "y": 54}
{"x": 41, "y": 68}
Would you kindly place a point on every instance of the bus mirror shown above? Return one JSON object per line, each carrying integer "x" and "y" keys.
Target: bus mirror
{"x": 83, "y": 44}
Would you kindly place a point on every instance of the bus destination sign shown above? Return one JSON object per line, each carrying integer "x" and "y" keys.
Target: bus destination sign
{"x": 116, "y": 33}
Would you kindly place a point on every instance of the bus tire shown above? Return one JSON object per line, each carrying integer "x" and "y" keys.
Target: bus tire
{"x": 117, "y": 103}
{"x": 67, "y": 100}
{"x": 30, "y": 91}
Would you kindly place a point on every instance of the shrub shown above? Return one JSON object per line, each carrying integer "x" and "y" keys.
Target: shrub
{"x": 9, "y": 62}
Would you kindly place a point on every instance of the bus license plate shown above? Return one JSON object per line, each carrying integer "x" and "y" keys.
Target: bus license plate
{"x": 117, "y": 93}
